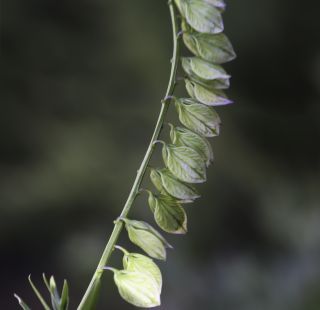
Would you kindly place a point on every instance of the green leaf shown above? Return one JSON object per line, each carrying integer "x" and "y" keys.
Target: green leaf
{"x": 55, "y": 298}
{"x": 46, "y": 282}
{"x": 190, "y": 88}
{"x": 41, "y": 299}
{"x": 141, "y": 263}
{"x": 214, "y": 48}
{"x": 138, "y": 289}
{"x": 201, "y": 15}
{"x": 156, "y": 180}
{"x": 23, "y": 305}
{"x": 206, "y": 96}
{"x": 184, "y": 163}
{"x": 198, "y": 117}
{"x": 57, "y": 302}
{"x": 64, "y": 302}
{"x": 185, "y": 137}
{"x": 223, "y": 82}
{"x": 169, "y": 215}
{"x": 176, "y": 188}
{"x": 152, "y": 201}
{"x": 147, "y": 238}
{"x": 213, "y": 85}
{"x": 206, "y": 70}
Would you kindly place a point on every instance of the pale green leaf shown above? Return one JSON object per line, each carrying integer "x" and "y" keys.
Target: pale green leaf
{"x": 156, "y": 179}
{"x": 138, "y": 289}
{"x": 214, "y": 48}
{"x": 186, "y": 137}
{"x": 23, "y": 305}
{"x": 207, "y": 70}
{"x": 147, "y": 238}
{"x": 204, "y": 95}
{"x": 141, "y": 263}
{"x": 219, "y": 4}
{"x": 213, "y": 85}
{"x": 198, "y": 117}
{"x": 219, "y": 84}
{"x": 169, "y": 215}
{"x": 55, "y": 298}
{"x": 176, "y": 188}
{"x": 199, "y": 73}
{"x": 190, "y": 88}
{"x": 201, "y": 15}
{"x": 184, "y": 163}
{"x": 152, "y": 201}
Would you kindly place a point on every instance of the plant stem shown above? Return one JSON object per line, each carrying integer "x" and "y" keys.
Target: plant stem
{"x": 141, "y": 172}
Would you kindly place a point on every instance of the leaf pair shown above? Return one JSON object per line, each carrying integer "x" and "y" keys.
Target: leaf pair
{"x": 184, "y": 137}
{"x": 57, "y": 302}
{"x": 185, "y": 162}
{"x": 140, "y": 282}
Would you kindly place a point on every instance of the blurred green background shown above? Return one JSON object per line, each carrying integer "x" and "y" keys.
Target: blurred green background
{"x": 80, "y": 93}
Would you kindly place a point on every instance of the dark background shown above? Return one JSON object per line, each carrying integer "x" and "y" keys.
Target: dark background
{"x": 81, "y": 83}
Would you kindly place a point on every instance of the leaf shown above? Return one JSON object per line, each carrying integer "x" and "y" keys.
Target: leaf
{"x": 138, "y": 289}
{"x": 176, "y": 188}
{"x": 23, "y": 305}
{"x": 219, "y": 84}
{"x": 64, "y": 302}
{"x": 190, "y": 88}
{"x": 156, "y": 180}
{"x": 207, "y": 70}
{"x": 198, "y": 117}
{"x": 214, "y": 48}
{"x": 57, "y": 302}
{"x": 140, "y": 263}
{"x": 186, "y": 137}
{"x": 55, "y": 298}
{"x": 222, "y": 82}
{"x": 46, "y": 282}
{"x": 201, "y": 15}
{"x": 169, "y": 215}
{"x": 152, "y": 202}
{"x": 147, "y": 238}
{"x": 206, "y": 96}
{"x": 184, "y": 163}
{"x": 41, "y": 299}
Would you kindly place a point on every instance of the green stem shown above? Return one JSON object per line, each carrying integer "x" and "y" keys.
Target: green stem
{"x": 141, "y": 172}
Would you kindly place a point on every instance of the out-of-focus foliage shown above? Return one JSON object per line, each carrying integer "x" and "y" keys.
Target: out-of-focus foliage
{"x": 80, "y": 92}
